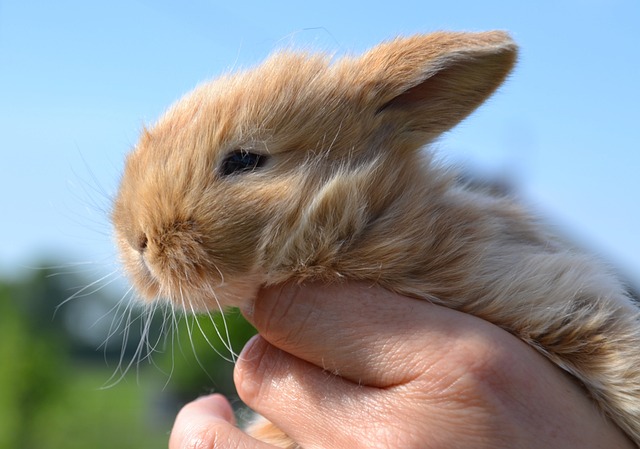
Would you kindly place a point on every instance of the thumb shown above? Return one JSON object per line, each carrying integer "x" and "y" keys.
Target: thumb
{"x": 208, "y": 423}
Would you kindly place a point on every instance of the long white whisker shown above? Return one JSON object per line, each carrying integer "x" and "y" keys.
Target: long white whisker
{"x": 226, "y": 340}
{"x": 115, "y": 378}
{"x": 88, "y": 290}
{"x": 170, "y": 321}
{"x": 118, "y": 317}
{"x": 212, "y": 346}
{"x": 190, "y": 331}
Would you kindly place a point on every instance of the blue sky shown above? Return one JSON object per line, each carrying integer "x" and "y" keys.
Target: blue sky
{"x": 78, "y": 80}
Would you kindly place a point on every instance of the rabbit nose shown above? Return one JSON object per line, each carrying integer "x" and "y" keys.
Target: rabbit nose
{"x": 141, "y": 243}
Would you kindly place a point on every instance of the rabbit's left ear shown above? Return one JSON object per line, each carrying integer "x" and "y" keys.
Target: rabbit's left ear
{"x": 427, "y": 84}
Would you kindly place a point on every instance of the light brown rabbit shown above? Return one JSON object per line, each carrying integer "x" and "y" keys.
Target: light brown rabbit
{"x": 308, "y": 168}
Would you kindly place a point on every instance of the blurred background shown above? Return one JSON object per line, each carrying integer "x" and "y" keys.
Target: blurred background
{"x": 78, "y": 80}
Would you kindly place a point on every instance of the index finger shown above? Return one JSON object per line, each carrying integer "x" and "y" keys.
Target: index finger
{"x": 363, "y": 333}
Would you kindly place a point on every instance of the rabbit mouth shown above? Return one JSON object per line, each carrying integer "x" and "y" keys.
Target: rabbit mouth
{"x": 191, "y": 287}
{"x": 205, "y": 294}
{"x": 172, "y": 265}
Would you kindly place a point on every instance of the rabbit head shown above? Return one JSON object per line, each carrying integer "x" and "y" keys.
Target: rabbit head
{"x": 262, "y": 175}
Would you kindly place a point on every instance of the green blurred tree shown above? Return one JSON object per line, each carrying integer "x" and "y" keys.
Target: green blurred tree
{"x": 31, "y": 371}
{"x": 50, "y": 396}
{"x": 51, "y": 374}
{"x": 201, "y": 354}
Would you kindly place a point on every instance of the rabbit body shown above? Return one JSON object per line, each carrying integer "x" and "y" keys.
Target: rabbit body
{"x": 307, "y": 168}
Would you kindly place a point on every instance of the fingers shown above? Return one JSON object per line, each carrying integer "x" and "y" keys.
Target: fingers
{"x": 366, "y": 334}
{"x": 510, "y": 397}
{"x": 303, "y": 400}
{"x": 208, "y": 423}
{"x": 351, "y": 366}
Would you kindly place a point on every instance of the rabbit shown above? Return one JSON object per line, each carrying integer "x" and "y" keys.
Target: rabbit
{"x": 310, "y": 167}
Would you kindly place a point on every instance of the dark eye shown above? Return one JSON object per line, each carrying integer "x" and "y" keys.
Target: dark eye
{"x": 241, "y": 161}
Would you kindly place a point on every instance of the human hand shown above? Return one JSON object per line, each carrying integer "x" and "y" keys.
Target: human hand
{"x": 356, "y": 366}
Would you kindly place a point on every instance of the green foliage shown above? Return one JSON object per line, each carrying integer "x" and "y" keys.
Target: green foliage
{"x": 30, "y": 372}
{"x": 85, "y": 416}
{"x": 50, "y": 379}
{"x": 200, "y": 360}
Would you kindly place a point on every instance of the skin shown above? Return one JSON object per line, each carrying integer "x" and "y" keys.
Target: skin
{"x": 355, "y": 366}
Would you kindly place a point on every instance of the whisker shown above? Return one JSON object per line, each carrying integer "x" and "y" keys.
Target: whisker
{"x": 171, "y": 320}
{"x": 115, "y": 378}
{"x": 190, "y": 333}
{"x": 117, "y": 319}
{"x": 226, "y": 340}
{"x": 212, "y": 346}
{"x": 88, "y": 290}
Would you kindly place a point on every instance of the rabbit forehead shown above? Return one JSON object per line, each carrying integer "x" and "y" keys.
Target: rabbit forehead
{"x": 291, "y": 97}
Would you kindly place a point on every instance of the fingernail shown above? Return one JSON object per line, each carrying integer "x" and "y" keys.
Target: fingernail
{"x": 247, "y": 383}
{"x": 219, "y": 406}
{"x": 249, "y": 348}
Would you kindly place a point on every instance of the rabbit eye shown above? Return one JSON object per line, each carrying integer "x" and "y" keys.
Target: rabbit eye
{"x": 241, "y": 161}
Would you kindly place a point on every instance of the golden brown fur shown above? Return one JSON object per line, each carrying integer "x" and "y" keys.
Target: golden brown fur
{"x": 347, "y": 192}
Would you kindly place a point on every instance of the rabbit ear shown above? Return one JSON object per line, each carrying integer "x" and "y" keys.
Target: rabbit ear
{"x": 427, "y": 84}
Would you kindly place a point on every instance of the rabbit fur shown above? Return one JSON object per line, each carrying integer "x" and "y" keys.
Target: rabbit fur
{"x": 344, "y": 189}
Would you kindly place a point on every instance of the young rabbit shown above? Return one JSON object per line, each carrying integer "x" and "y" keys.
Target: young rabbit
{"x": 307, "y": 168}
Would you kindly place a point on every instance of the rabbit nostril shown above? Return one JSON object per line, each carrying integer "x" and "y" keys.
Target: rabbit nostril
{"x": 141, "y": 243}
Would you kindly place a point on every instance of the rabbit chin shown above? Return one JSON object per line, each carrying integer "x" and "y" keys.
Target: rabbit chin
{"x": 216, "y": 297}
{"x": 201, "y": 292}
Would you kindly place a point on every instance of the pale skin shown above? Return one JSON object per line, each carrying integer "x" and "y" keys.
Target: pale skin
{"x": 355, "y": 366}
